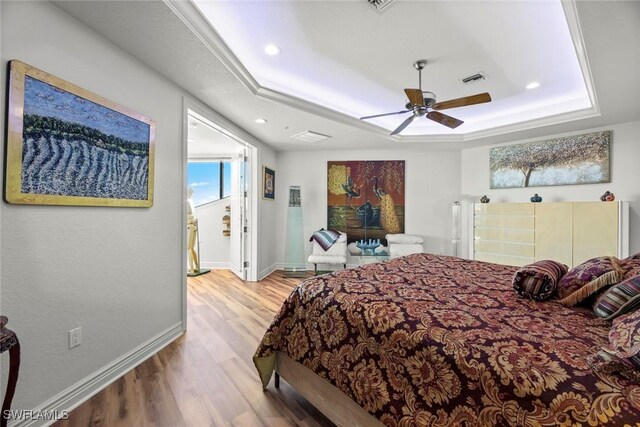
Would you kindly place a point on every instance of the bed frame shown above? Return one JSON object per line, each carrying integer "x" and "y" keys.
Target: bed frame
{"x": 327, "y": 398}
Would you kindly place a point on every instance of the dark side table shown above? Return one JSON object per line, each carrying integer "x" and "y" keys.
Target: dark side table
{"x": 9, "y": 341}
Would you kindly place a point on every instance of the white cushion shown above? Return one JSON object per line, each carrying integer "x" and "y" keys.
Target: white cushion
{"x": 397, "y": 250}
{"x": 353, "y": 249}
{"x": 328, "y": 259}
{"x": 404, "y": 238}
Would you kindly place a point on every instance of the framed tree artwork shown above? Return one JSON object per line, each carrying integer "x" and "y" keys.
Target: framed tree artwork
{"x": 578, "y": 159}
{"x": 268, "y": 183}
{"x": 68, "y": 146}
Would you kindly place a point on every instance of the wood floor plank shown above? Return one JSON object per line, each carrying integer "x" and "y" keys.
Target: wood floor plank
{"x": 207, "y": 377}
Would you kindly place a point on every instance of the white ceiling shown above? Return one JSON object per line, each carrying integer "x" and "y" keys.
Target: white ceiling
{"x": 373, "y": 66}
{"x": 346, "y": 56}
{"x": 205, "y": 141}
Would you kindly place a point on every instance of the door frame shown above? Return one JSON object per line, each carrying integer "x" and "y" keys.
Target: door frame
{"x": 239, "y": 135}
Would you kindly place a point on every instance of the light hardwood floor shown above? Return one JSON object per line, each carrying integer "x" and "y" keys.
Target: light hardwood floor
{"x": 207, "y": 377}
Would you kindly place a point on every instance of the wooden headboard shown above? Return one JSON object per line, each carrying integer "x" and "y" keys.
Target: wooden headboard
{"x": 569, "y": 232}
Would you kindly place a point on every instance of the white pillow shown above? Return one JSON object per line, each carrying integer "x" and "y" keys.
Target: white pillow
{"x": 404, "y": 238}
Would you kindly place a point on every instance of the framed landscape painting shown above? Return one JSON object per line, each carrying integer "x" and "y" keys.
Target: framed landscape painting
{"x": 578, "y": 159}
{"x": 68, "y": 146}
{"x": 268, "y": 183}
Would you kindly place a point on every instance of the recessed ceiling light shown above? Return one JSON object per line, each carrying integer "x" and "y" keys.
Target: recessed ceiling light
{"x": 260, "y": 121}
{"x": 533, "y": 85}
{"x": 271, "y": 49}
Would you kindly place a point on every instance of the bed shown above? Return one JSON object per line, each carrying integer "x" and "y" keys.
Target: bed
{"x": 436, "y": 340}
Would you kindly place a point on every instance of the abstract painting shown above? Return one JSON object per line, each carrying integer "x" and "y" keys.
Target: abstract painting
{"x": 365, "y": 199}
{"x": 68, "y": 146}
{"x": 268, "y": 183}
{"x": 579, "y": 159}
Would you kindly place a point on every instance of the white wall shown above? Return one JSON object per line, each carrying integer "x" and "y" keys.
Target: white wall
{"x": 115, "y": 272}
{"x": 214, "y": 246}
{"x": 432, "y": 182}
{"x": 625, "y": 153}
{"x": 268, "y": 234}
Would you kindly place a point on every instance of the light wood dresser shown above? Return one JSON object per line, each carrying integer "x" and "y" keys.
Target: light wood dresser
{"x": 569, "y": 232}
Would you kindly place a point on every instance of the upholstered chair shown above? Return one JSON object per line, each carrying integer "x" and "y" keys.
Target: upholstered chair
{"x": 336, "y": 254}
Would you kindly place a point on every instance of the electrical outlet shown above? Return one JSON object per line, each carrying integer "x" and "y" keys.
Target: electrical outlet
{"x": 75, "y": 337}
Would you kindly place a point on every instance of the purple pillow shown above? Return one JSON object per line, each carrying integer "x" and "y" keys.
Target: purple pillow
{"x": 623, "y": 353}
{"x": 631, "y": 266}
{"x": 538, "y": 281}
{"x": 588, "y": 278}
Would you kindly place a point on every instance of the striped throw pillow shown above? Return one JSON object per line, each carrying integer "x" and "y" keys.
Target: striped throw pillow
{"x": 325, "y": 238}
{"x": 619, "y": 299}
{"x": 538, "y": 281}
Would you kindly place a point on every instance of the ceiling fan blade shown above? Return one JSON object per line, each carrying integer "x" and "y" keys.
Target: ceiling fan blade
{"x": 385, "y": 114}
{"x": 443, "y": 119}
{"x": 404, "y": 125}
{"x": 461, "y": 102}
{"x": 415, "y": 96}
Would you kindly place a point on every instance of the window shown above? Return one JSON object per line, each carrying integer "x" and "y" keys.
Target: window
{"x": 210, "y": 181}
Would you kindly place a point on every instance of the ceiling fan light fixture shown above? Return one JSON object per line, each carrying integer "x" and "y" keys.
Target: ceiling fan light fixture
{"x": 533, "y": 85}
{"x": 271, "y": 49}
{"x": 260, "y": 121}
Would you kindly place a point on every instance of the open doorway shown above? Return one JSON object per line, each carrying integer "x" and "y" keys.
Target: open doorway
{"x": 219, "y": 190}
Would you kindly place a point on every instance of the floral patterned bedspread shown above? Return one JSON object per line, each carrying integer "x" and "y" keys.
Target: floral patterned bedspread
{"x": 429, "y": 340}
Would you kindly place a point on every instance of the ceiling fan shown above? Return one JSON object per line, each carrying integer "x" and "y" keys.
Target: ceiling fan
{"x": 423, "y": 103}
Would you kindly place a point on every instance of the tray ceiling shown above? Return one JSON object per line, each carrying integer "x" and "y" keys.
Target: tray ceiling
{"x": 348, "y": 58}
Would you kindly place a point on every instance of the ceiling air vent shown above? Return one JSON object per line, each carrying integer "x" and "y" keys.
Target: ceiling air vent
{"x": 474, "y": 78}
{"x": 310, "y": 136}
{"x": 380, "y": 5}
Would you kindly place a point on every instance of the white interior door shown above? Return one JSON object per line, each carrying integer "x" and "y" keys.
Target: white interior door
{"x": 238, "y": 216}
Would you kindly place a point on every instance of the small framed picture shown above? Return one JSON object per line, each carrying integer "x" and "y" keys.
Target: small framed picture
{"x": 268, "y": 183}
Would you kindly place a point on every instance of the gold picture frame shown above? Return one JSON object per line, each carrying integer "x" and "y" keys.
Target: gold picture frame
{"x": 69, "y": 146}
{"x": 268, "y": 183}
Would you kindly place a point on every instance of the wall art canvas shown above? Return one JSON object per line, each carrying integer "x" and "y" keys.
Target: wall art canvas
{"x": 268, "y": 183}
{"x": 365, "y": 199}
{"x": 68, "y": 146}
{"x": 579, "y": 159}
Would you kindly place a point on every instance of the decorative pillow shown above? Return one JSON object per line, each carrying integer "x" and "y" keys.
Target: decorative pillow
{"x": 608, "y": 363}
{"x": 619, "y": 299}
{"x": 631, "y": 266}
{"x": 636, "y": 257}
{"x": 407, "y": 239}
{"x": 588, "y": 278}
{"x": 624, "y": 335}
{"x": 538, "y": 281}
{"x": 325, "y": 238}
{"x": 623, "y": 354}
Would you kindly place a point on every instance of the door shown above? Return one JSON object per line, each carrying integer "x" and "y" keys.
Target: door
{"x": 238, "y": 204}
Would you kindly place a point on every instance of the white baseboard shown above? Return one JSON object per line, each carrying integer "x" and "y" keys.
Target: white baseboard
{"x": 216, "y": 265}
{"x": 84, "y": 389}
{"x": 267, "y": 271}
{"x": 309, "y": 267}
